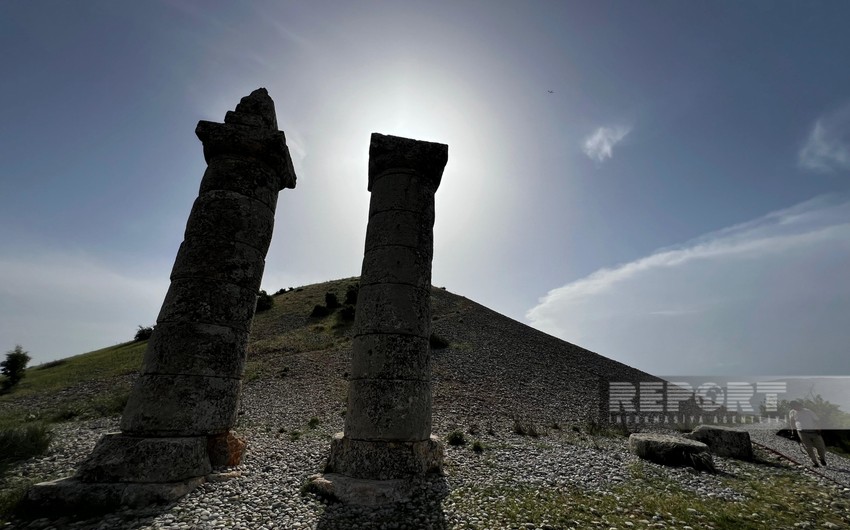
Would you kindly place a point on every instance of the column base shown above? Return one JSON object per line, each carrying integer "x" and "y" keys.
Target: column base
{"x": 72, "y": 496}
{"x": 118, "y": 457}
{"x": 384, "y": 460}
{"x": 360, "y": 491}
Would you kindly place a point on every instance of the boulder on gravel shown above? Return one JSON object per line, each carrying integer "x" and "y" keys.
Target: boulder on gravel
{"x": 724, "y": 441}
{"x": 671, "y": 451}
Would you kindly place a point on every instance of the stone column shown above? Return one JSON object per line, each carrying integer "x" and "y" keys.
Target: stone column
{"x": 185, "y": 401}
{"x": 388, "y": 423}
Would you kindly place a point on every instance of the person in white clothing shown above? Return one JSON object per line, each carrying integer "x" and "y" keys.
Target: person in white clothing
{"x": 804, "y": 422}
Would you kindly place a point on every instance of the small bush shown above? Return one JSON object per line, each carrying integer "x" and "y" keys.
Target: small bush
{"x": 313, "y": 423}
{"x": 143, "y": 333}
{"x": 347, "y": 313}
{"x": 351, "y": 293}
{"x": 264, "y": 301}
{"x": 11, "y": 498}
{"x": 477, "y": 447}
{"x": 456, "y": 438}
{"x": 524, "y": 428}
{"x": 14, "y": 367}
{"x": 20, "y": 443}
{"x": 331, "y": 301}
{"x": 310, "y": 488}
{"x": 437, "y": 342}
{"x": 295, "y": 436}
{"x": 66, "y": 413}
{"x": 319, "y": 311}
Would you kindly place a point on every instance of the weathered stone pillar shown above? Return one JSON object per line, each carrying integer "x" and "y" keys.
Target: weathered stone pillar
{"x": 185, "y": 401}
{"x": 388, "y": 423}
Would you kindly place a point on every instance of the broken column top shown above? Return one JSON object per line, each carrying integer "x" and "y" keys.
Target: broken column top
{"x": 255, "y": 110}
{"x": 394, "y": 152}
{"x": 250, "y": 131}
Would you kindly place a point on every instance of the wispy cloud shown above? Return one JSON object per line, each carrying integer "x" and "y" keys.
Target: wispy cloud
{"x": 827, "y": 148}
{"x": 767, "y": 296}
{"x": 599, "y": 146}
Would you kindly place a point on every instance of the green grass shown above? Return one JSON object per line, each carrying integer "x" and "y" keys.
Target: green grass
{"x": 17, "y": 444}
{"x": 785, "y": 499}
{"x": 11, "y": 496}
{"x": 106, "y": 363}
{"x": 26, "y": 441}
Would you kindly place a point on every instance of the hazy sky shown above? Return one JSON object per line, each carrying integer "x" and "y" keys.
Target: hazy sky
{"x": 665, "y": 183}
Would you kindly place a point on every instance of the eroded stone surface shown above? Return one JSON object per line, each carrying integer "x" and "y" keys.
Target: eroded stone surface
{"x": 191, "y": 376}
{"x": 388, "y": 422}
{"x": 382, "y": 356}
{"x": 397, "y": 264}
{"x": 231, "y": 216}
{"x": 671, "y": 450}
{"x": 121, "y": 458}
{"x": 400, "y": 227}
{"x": 242, "y": 175}
{"x": 70, "y": 495}
{"x": 209, "y": 302}
{"x": 402, "y": 191}
{"x": 723, "y": 441}
{"x": 380, "y": 460}
{"x": 222, "y": 260}
{"x": 389, "y": 409}
{"x": 363, "y": 492}
{"x": 181, "y": 405}
{"x": 226, "y": 449}
{"x": 388, "y": 152}
{"x": 192, "y": 348}
{"x": 393, "y": 308}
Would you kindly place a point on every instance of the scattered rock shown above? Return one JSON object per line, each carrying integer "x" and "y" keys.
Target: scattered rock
{"x": 724, "y": 441}
{"x": 671, "y": 451}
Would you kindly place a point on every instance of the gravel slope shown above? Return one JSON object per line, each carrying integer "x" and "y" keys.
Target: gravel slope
{"x": 495, "y": 371}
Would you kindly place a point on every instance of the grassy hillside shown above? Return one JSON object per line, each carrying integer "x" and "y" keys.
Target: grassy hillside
{"x": 479, "y": 356}
{"x": 527, "y": 404}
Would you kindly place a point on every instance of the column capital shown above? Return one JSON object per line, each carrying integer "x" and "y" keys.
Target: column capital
{"x": 405, "y": 154}
{"x": 250, "y": 131}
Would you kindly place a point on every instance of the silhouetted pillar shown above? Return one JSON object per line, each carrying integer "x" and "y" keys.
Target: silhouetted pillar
{"x": 388, "y": 423}
{"x": 185, "y": 401}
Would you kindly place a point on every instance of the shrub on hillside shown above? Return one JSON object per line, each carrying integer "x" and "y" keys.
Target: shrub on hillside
{"x": 525, "y": 428}
{"x": 143, "y": 333}
{"x": 351, "y": 293}
{"x": 20, "y": 443}
{"x": 331, "y": 301}
{"x": 319, "y": 311}
{"x": 456, "y": 438}
{"x": 347, "y": 313}
{"x": 14, "y": 367}
{"x": 264, "y": 301}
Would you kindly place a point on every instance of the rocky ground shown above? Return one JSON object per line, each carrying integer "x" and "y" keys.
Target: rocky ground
{"x": 496, "y": 372}
{"x": 514, "y": 478}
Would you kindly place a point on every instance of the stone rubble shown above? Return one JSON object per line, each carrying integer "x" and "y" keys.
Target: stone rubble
{"x": 265, "y": 491}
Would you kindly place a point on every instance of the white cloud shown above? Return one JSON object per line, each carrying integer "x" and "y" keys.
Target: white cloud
{"x": 599, "y": 146}
{"x": 767, "y": 296}
{"x": 57, "y": 304}
{"x": 827, "y": 148}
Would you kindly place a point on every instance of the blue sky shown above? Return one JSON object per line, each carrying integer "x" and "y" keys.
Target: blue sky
{"x": 679, "y": 201}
